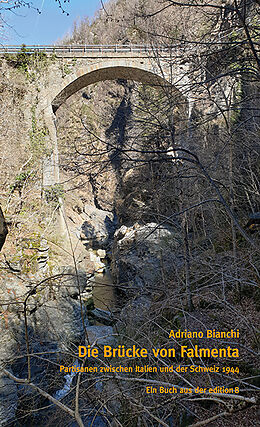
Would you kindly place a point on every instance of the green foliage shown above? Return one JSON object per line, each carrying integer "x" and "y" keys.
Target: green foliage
{"x": 25, "y": 60}
{"x": 68, "y": 68}
{"x": 20, "y": 181}
{"x": 29, "y": 253}
{"x": 53, "y": 194}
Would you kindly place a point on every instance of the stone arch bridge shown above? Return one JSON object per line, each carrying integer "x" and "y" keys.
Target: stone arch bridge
{"x": 75, "y": 67}
{"x": 81, "y": 66}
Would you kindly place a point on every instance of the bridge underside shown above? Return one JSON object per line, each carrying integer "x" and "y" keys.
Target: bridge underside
{"x": 109, "y": 73}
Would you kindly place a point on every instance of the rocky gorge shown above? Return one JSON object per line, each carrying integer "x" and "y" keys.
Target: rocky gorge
{"x": 60, "y": 309}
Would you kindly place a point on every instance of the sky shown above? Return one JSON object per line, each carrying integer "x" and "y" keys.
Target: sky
{"x": 28, "y": 27}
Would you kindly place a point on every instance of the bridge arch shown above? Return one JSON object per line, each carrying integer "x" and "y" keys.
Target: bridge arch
{"x": 141, "y": 70}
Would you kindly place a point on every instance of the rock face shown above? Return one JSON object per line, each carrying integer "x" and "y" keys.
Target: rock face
{"x": 59, "y": 321}
{"x": 8, "y": 399}
{"x": 55, "y": 323}
{"x": 134, "y": 312}
{"x": 103, "y": 316}
{"x": 98, "y": 227}
{"x": 140, "y": 251}
{"x": 3, "y": 229}
{"x": 98, "y": 264}
{"x": 99, "y": 335}
{"x": 72, "y": 282}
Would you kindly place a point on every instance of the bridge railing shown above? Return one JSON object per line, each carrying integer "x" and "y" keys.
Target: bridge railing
{"x": 81, "y": 49}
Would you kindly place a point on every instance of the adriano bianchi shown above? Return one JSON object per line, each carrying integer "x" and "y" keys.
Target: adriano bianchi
{"x": 210, "y": 333}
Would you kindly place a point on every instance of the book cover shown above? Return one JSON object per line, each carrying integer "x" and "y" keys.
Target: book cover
{"x": 129, "y": 213}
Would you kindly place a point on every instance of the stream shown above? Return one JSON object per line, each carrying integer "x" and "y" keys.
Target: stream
{"x": 104, "y": 298}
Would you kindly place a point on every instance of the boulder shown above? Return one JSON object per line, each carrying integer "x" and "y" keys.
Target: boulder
{"x": 140, "y": 251}
{"x": 59, "y": 321}
{"x": 101, "y": 253}
{"x": 98, "y": 265}
{"x": 73, "y": 282}
{"x": 98, "y": 227}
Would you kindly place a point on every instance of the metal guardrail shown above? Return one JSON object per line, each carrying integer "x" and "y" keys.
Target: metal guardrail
{"x": 82, "y": 49}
